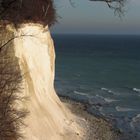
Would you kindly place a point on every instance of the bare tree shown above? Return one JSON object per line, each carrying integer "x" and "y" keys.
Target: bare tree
{"x": 11, "y": 118}
{"x": 116, "y": 5}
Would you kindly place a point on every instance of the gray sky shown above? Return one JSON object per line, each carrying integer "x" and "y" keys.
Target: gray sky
{"x": 96, "y": 18}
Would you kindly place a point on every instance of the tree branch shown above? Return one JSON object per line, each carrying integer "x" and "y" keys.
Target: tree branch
{"x": 116, "y": 5}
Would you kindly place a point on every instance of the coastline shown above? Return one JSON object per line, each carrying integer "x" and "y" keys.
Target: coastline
{"x": 96, "y": 128}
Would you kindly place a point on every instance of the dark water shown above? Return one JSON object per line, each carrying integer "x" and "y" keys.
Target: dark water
{"x": 103, "y": 71}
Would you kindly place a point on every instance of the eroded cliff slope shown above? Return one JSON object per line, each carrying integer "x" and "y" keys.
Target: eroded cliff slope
{"x": 48, "y": 118}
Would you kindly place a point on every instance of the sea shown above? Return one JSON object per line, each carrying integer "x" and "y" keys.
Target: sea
{"x": 102, "y": 71}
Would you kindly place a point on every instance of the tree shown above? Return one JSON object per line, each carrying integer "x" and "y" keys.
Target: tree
{"x": 11, "y": 118}
{"x": 40, "y": 11}
{"x": 116, "y": 5}
{"x": 21, "y": 11}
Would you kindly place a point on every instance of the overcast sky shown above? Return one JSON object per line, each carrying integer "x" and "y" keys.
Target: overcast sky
{"x": 96, "y": 18}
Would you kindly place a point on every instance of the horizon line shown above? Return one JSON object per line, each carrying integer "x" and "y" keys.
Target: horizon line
{"x": 94, "y": 34}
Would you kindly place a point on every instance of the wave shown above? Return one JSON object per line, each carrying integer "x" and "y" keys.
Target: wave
{"x": 107, "y": 90}
{"x": 80, "y": 93}
{"x": 108, "y": 100}
{"x": 136, "y": 89}
{"x": 135, "y": 123}
{"x": 123, "y": 109}
{"x": 137, "y": 118}
{"x": 97, "y": 100}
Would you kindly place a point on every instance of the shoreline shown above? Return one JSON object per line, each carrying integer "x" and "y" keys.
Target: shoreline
{"x": 96, "y": 128}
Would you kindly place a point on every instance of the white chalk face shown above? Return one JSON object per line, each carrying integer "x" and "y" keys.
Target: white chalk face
{"x": 47, "y": 115}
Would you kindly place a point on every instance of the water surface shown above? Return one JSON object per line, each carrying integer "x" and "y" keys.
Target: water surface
{"x": 103, "y": 71}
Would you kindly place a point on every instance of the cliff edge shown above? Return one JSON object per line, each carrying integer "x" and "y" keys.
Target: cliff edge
{"x": 48, "y": 118}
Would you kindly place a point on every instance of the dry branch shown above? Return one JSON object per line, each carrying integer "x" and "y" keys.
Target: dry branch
{"x": 11, "y": 118}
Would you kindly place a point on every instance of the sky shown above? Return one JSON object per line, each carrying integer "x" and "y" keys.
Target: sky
{"x": 88, "y": 17}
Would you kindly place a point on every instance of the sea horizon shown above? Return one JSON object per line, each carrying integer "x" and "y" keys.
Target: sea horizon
{"x": 97, "y": 34}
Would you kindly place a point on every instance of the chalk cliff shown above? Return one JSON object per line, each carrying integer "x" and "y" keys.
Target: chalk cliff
{"x": 48, "y": 118}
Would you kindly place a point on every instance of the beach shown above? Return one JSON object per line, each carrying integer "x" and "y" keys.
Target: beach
{"x": 96, "y": 128}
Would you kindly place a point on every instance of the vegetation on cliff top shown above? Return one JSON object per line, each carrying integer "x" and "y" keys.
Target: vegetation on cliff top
{"x": 41, "y": 11}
